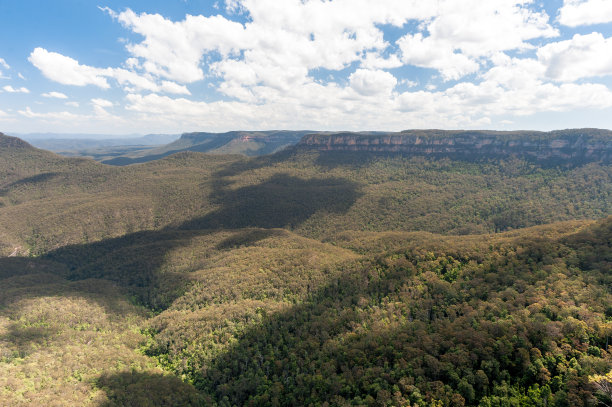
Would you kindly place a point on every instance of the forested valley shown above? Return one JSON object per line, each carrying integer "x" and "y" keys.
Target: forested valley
{"x": 305, "y": 277}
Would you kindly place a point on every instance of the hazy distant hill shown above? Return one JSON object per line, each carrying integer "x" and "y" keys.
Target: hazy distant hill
{"x": 71, "y": 143}
{"x": 97, "y": 146}
{"x": 571, "y": 146}
{"x": 249, "y": 143}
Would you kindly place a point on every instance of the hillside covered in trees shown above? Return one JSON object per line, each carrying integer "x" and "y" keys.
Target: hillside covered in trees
{"x": 306, "y": 277}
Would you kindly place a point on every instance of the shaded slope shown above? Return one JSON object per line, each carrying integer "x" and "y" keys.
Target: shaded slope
{"x": 47, "y": 201}
{"x": 68, "y": 342}
{"x": 503, "y": 320}
{"x": 252, "y": 310}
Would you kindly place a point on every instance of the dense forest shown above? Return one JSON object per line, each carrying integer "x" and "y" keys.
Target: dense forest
{"x": 306, "y": 277}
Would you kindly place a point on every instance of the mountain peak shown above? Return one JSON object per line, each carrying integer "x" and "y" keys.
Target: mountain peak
{"x": 12, "y": 142}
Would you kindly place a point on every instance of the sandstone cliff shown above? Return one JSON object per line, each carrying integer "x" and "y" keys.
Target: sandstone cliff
{"x": 562, "y": 145}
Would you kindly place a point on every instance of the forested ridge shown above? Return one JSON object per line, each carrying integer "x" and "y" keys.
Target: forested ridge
{"x": 304, "y": 278}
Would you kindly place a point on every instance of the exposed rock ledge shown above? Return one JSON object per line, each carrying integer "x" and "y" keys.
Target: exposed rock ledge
{"x": 562, "y": 145}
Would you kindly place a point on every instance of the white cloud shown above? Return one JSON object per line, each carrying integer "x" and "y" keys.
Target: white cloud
{"x": 99, "y": 117}
{"x": 65, "y": 70}
{"x": 68, "y": 71}
{"x": 27, "y": 112}
{"x": 463, "y": 33}
{"x": 425, "y": 52}
{"x": 468, "y": 103}
{"x": 10, "y": 89}
{"x": 72, "y": 104}
{"x": 368, "y": 83}
{"x": 3, "y": 64}
{"x": 585, "y": 12}
{"x": 21, "y": 76}
{"x": 515, "y": 73}
{"x": 132, "y": 63}
{"x": 275, "y": 66}
{"x": 583, "y": 56}
{"x": 277, "y": 48}
{"x": 174, "y": 50}
{"x": 102, "y": 102}
{"x": 408, "y": 83}
{"x": 333, "y": 107}
{"x": 173, "y": 87}
{"x": 374, "y": 60}
{"x": 56, "y": 95}
{"x": 100, "y": 105}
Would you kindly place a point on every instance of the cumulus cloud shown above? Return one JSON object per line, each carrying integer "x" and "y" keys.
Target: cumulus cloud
{"x": 102, "y": 102}
{"x": 328, "y": 64}
{"x": 583, "y": 56}
{"x": 575, "y": 13}
{"x": 275, "y": 47}
{"x": 368, "y": 82}
{"x": 4, "y": 65}
{"x": 374, "y": 60}
{"x": 65, "y": 70}
{"x": 100, "y": 105}
{"x": 174, "y": 50}
{"x": 59, "y": 116}
{"x": 68, "y": 71}
{"x": 72, "y": 104}
{"x": 334, "y": 107}
{"x": 455, "y": 47}
{"x": 440, "y": 55}
{"x": 10, "y": 89}
{"x": 56, "y": 95}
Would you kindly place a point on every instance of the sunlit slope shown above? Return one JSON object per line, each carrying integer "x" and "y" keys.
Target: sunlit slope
{"x": 254, "y": 315}
{"x": 69, "y": 330}
{"x": 305, "y": 277}
{"x": 75, "y": 343}
{"x": 518, "y": 318}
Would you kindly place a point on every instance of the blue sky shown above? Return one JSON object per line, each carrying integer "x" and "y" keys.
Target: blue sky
{"x": 169, "y": 66}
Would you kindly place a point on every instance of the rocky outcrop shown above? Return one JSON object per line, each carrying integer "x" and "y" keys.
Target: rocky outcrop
{"x": 564, "y": 145}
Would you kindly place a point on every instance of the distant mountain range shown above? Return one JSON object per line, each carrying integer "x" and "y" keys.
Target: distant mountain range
{"x": 584, "y": 145}
{"x": 249, "y": 143}
{"x": 96, "y": 146}
{"x": 116, "y": 150}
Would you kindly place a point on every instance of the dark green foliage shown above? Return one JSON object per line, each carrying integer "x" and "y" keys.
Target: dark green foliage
{"x": 148, "y": 390}
{"x": 518, "y": 323}
{"x": 303, "y": 278}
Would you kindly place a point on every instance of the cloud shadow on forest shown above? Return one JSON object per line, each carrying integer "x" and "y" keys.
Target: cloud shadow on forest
{"x": 145, "y": 389}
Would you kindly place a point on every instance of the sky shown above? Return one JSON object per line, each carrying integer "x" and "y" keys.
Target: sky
{"x": 173, "y": 66}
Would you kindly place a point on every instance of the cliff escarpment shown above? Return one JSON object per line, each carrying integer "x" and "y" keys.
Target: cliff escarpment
{"x": 575, "y": 145}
